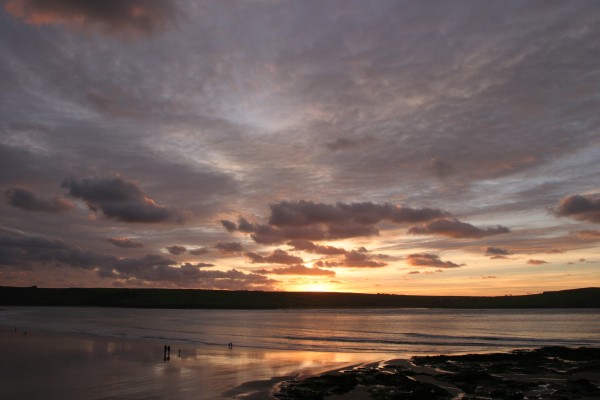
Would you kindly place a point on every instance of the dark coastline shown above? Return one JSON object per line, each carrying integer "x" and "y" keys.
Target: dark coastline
{"x": 549, "y": 373}
{"x": 221, "y": 299}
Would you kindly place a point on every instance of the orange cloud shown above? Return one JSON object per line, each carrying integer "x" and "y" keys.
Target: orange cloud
{"x": 123, "y": 17}
{"x": 536, "y": 262}
{"x": 429, "y": 260}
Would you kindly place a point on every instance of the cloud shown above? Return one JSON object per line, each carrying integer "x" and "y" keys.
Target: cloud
{"x": 297, "y": 269}
{"x": 230, "y": 247}
{"x": 342, "y": 144}
{"x": 581, "y": 208}
{"x": 36, "y": 252}
{"x": 429, "y": 260}
{"x": 304, "y": 213}
{"x": 199, "y": 251}
{"x": 277, "y": 257}
{"x": 310, "y": 247}
{"x": 455, "y": 229}
{"x": 536, "y": 262}
{"x": 310, "y": 221}
{"x": 125, "y": 243}
{"x": 121, "y": 17}
{"x": 176, "y": 250}
{"x": 441, "y": 168}
{"x": 353, "y": 259}
{"x": 121, "y": 200}
{"x": 589, "y": 234}
{"x": 496, "y": 252}
{"x": 28, "y": 200}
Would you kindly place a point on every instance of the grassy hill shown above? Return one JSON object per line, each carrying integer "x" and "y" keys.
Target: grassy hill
{"x": 222, "y": 299}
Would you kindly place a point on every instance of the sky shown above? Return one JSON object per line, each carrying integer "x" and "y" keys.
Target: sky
{"x": 409, "y": 147}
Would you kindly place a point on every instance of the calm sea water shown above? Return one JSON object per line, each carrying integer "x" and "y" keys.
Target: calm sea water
{"x": 398, "y": 331}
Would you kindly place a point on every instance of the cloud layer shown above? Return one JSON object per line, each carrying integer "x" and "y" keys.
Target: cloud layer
{"x": 340, "y": 136}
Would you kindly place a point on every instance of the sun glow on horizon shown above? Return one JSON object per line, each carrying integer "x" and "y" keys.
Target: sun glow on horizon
{"x": 313, "y": 287}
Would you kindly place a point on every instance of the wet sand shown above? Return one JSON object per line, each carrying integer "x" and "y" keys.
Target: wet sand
{"x": 49, "y": 365}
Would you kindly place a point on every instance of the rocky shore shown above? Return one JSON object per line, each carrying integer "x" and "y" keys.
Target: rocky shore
{"x": 552, "y": 373}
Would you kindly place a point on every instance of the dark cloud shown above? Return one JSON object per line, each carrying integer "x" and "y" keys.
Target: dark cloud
{"x": 297, "y": 269}
{"x": 121, "y": 17}
{"x": 277, "y": 257}
{"x": 359, "y": 259}
{"x": 442, "y": 169}
{"x": 28, "y": 251}
{"x": 23, "y": 251}
{"x": 230, "y": 247}
{"x": 536, "y": 262}
{"x": 342, "y": 144}
{"x": 120, "y": 199}
{"x": 309, "y": 221}
{"x": 176, "y": 250}
{"x": 353, "y": 259}
{"x": 429, "y": 260}
{"x": 125, "y": 243}
{"x": 496, "y": 252}
{"x": 267, "y": 234}
{"x": 310, "y": 247}
{"x": 304, "y": 213}
{"x": 28, "y": 200}
{"x": 582, "y": 208}
{"x": 455, "y": 229}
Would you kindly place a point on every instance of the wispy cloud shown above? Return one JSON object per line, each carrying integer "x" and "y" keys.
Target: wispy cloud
{"x": 429, "y": 260}
{"x": 123, "y": 17}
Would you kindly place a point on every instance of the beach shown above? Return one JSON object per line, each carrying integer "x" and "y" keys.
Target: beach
{"x": 40, "y": 364}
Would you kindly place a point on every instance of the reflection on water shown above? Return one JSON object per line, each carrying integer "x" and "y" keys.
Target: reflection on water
{"x": 404, "y": 331}
{"x": 69, "y": 367}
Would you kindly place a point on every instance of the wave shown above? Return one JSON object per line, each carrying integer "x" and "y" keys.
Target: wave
{"x": 439, "y": 340}
{"x": 307, "y": 331}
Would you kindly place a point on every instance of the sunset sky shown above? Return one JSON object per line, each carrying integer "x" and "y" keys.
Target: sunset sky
{"x": 411, "y": 147}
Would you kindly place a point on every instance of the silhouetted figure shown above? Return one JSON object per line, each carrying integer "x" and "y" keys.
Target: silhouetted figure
{"x": 168, "y": 352}
{"x": 179, "y": 353}
{"x": 230, "y": 345}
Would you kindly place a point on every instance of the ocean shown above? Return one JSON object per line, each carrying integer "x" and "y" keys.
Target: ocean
{"x": 402, "y": 332}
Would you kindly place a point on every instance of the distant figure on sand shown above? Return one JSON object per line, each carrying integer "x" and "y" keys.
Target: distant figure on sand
{"x": 167, "y": 353}
{"x": 230, "y": 345}
{"x": 179, "y": 353}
